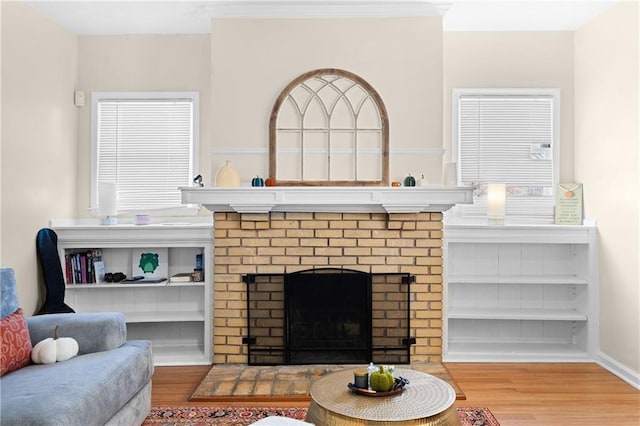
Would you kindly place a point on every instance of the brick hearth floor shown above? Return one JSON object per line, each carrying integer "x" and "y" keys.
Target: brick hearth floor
{"x": 235, "y": 381}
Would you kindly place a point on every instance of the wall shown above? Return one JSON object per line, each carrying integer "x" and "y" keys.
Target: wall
{"x": 254, "y": 59}
{"x": 607, "y": 162}
{"x": 513, "y": 60}
{"x": 39, "y": 66}
{"x": 140, "y": 63}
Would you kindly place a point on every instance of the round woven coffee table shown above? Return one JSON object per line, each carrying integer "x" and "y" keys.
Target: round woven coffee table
{"x": 426, "y": 400}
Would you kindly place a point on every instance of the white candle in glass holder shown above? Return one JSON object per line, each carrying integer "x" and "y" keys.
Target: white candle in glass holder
{"x": 108, "y": 202}
{"x": 496, "y": 198}
{"x": 450, "y": 174}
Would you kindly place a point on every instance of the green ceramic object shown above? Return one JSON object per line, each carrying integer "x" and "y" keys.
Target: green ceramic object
{"x": 257, "y": 181}
{"x": 409, "y": 181}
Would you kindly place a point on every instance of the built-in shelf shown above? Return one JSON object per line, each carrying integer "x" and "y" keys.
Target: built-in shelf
{"x": 516, "y": 314}
{"x": 529, "y": 279}
{"x": 521, "y": 291}
{"x": 485, "y": 351}
{"x": 163, "y": 316}
{"x": 371, "y": 199}
{"x": 176, "y": 355}
{"x": 164, "y": 283}
{"x": 174, "y": 316}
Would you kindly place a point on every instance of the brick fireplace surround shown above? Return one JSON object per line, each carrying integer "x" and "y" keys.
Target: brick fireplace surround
{"x": 279, "y": 242}
{"x": 279, "y": 230}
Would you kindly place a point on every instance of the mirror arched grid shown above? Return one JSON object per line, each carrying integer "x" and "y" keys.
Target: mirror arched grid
{"x": 329, "y": 127}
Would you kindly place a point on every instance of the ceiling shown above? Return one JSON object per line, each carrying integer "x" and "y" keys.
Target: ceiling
{"x": 110, "y": 17}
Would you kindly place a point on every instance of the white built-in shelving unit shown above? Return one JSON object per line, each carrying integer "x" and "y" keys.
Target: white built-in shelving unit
{"x": 519, "y": 291}
{"x": 174, "y": 316}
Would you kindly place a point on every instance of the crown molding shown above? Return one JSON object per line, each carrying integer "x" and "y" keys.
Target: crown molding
{"x": 83, "y": 17}
{"x": 324, "y": 8}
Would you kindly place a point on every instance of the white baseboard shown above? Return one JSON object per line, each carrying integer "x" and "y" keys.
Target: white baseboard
{"x": 622, "y": 371}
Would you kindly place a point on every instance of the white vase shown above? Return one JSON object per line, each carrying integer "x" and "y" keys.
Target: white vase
{"x": 227, "y": 176}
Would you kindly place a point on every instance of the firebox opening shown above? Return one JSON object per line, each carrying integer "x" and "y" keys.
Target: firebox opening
{"x": 328, "y": 316}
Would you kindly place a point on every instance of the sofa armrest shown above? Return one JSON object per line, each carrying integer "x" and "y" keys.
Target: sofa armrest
{"x": 94, "y": 332}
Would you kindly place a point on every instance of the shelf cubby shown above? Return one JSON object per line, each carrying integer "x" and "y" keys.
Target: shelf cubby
{"x": 174, "y": 316}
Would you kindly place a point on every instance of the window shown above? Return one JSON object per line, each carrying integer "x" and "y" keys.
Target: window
{"x": 508, "y": 136}
{"x": 147, "y": 143}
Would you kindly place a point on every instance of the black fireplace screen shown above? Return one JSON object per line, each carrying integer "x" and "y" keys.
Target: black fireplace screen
{"x": 328, "y": 316}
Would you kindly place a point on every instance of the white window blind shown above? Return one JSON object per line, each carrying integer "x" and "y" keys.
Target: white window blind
{"x": 145, "y": 143}
{"x": 507, "y": 136}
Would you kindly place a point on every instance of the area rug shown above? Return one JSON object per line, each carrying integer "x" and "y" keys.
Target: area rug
{"x": 240, "y": 416}
{"x": 240, "y": 382}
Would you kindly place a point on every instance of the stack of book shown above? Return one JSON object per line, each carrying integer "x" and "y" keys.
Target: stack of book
{"x": 83, "y": 267}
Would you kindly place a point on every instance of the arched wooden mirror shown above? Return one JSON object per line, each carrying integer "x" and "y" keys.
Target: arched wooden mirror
{"x": 329, "y": 127}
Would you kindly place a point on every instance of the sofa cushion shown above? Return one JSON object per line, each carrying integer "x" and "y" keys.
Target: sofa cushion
{"x": 15, "y": 343}
{"x": 94, "y": 331}
{"x": 8, "y": 293}
{"x": 86, "y": 390}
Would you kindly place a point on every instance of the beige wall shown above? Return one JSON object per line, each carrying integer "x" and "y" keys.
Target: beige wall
{"x": 254, "y": 59}
{"x": 140, "y": 63}
{"x": 513, "y": 60}
{"x": 607, "y": 162}
{"x": 39, "y": 66}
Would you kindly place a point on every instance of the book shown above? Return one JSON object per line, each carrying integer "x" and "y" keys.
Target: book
{"x": 90, "y": 274}
{"x": 78, "y": 271}
{"x": 68, "y": 269}
{"x": 99, "y": 271}
{"x": 182, "y": 277}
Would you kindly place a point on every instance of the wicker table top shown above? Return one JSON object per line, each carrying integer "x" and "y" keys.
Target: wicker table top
{"x": 424, "y": 396}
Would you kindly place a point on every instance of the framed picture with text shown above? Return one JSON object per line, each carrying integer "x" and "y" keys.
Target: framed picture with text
{"x": 569, "y": 204}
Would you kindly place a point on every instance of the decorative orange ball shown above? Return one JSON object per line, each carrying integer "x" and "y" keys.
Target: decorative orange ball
{"x": 270, "y": 181}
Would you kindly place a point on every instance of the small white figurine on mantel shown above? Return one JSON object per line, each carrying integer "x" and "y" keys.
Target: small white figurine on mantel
{"x": 422, "y": 181}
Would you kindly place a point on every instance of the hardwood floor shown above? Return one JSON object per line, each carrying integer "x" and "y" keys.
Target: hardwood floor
{"x": 517, "y": 394}
{"x": 548, "y": 394}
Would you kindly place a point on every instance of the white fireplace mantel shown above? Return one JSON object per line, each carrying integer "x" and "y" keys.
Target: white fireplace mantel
{"x": 432, "y": 198}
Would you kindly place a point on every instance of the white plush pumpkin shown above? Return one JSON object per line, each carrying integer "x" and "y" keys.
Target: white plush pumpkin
{"x": 54, "y": 349}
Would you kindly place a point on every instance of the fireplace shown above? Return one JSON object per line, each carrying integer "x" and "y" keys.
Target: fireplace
{"x": 272, "y": 231}
{"x": 328, "y": 316}
{"x": 269, "y": 246}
